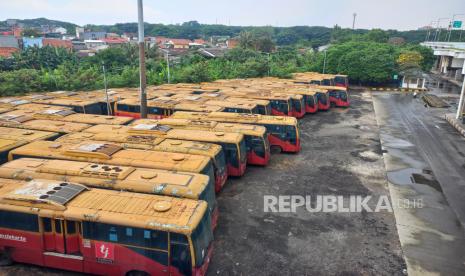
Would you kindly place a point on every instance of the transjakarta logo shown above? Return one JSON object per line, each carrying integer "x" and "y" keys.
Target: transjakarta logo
{"x": 13, "y": 238}
{"x": 333, "y": 204}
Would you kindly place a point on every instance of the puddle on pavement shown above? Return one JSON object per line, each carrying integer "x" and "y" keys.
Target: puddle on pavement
{"x": 414, "y": 176}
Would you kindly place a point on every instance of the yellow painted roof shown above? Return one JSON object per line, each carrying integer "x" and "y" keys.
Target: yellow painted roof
{"x": 245, "y": 129}
{"x": 47, "y": 125}
{"x": 152, "y": 181}
{"x": 25, "y": 134}
{"x": 236, "y": 118}
{"x": 182, "y": 134}
{"x": 135, "y": 141}
{"x": 107, "y": 206}
{"x": 107, "y": 153}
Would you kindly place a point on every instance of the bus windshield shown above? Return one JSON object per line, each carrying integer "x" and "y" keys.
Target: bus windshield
{"x": 220, "y": 162}
{"x": 297, "y": 105}
{"x": 259, "y": 145}
{"x": 201, "y": 239}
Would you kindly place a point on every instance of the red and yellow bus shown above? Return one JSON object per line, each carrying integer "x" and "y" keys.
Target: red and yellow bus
{"x": 281, "y": 105}
{"x": 120, "y": 178}
{"x": 159, "y": 108}
{"x": 283, "y": 131}
{"x": 233, "y": 144}
{"x": 145, "y": 142}
{"x": 338, "y": 95}
{"x": 68, "y": 226}
{"x": 256, "y": 138}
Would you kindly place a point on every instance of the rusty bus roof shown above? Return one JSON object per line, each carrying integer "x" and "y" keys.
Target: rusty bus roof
{"x": 68, "y": 115}
{"x": 197, "y": 107}
{"x": 243, "y": 105}
{"x": 245, "y": 129}
{"x": 46, "y": 125}
{"x": 31, "y": 107}
{"x": 9, "y": 144}
{"x": 144, "y": 142}
{"x": 126, "y": 178}
{"x": 106, "y": 206}
{"x": 6, "y": 108}
{"x": 256, "y": 101}
{"x": 67, "y": 101}
{"x": 332, "y": 87}
{"x": 108, "y": 153}
{"x": 236, "y": 118}
{"x": 25, "y": 134}
{"x": 181, "y": 134}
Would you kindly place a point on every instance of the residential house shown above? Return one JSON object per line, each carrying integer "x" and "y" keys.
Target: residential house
{"x": 232, "y": 43}
{"x": 93, "y": 35}
{"x": 94, "y": 43}
{"x": 78, "y": 45}
{"x": 57, "y": 43}
{"x": 32, "y": 42}
{"x": 115, "y": 41}
{"x": 8, "y": 45}
{"x": 60, "y": 30}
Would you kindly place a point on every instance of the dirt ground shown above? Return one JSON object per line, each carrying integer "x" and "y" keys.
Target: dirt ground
{"x": 341, "y": 155}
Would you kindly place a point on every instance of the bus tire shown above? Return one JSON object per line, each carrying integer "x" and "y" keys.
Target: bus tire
{"x": 137, "y": 273}
{"x": 276, "y": 149}
{"x": 5, "y": 257}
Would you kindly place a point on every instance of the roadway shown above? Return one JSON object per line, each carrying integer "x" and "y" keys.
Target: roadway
{"x": 425, "y": 159}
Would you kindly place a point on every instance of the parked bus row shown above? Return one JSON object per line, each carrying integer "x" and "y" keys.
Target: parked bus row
{"x": 84, "y": 191}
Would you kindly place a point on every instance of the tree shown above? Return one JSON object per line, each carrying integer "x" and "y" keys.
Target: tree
{"x": 246, "y": 40}
{"x": 409, "y": 60}
{"x": 30, "y": 33}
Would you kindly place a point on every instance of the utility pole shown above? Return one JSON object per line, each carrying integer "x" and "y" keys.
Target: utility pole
{"x": 168, "y": 65}
{"x": 353, "y": 22}
{"x": 143, "y": 78}
{"x": 437, "y": 37}
{"x": 460, "y": 107}
{"x": 109, "y": 111}
{"x": 269, "y": 64}
{"x": 324, "y": 63}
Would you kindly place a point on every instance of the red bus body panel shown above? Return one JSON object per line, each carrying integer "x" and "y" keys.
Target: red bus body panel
{"x": 220, "y": 180}
{"x": 232, "y": 171}
{"x": 311, "y": 109}
{"x": 339, "y": 102}
{"x": 254, "y": 159}
{"x": 298, "y": 114}
{"x": 284, "y": 145}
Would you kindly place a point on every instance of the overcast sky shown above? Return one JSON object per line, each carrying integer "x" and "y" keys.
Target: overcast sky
{"x": 386, "y": 14}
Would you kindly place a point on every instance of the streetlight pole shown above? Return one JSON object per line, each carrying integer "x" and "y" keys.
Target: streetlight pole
{"x": 324, "y": 63}
{"x": 460, "y": 107}
{"x": 429, "y": 30}
{"x": 438, "y": 30}
{"x": 143, "y": 78}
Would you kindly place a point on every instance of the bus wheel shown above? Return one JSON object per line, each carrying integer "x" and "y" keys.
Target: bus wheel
{"x": 5, "y": 257}
{"x": 276, "y": 149}
{"x": 137, "y": 273}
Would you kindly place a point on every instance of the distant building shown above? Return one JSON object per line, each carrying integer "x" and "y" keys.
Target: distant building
{"x": 93, "y": 35}
{"x": 78, "y": 45}
{"x": 213, "y": 52}
{"x": 57, "y": 43}
{"x": 232, "y": 43}
{"x": 32, "y": 42}
{"x": 60, "y": 30}
{"x": 17, "y": 31}
{"x": 94, "y": 43}
{"x": 79, "y": 32}
{"x": 8, "y": 45}
{"x": 115, "y": 41}
{"x": 11, "y": 22}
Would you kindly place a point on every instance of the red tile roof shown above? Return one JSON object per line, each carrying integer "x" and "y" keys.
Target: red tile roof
{"x": 57, "y": 43}
{"x": 114, "y": 40}
{"x": 7, "y": 51}
{"x": 200, "y": 41}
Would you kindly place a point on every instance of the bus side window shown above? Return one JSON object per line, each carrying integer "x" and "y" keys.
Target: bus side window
{"x": 58, "y": 226}
{"x": 47, "y": 223}
{"x": 71, "y": 227}
{"x": 180, "y": 253}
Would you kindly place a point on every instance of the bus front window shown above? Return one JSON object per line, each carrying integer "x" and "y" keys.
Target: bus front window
{"x": 220, "y": 162}
{"x": 296, "y": 104}
{"x": 259, "y": 146}
{"x": 201, "y": 239}
{"x": 209, "y": 196}
{"x": 292, "y": 134}
{"x": 208, "y": 170}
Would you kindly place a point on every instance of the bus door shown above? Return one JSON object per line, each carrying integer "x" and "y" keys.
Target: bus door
{"x": 61, "y": 236}
{"x": 180, "y": 257}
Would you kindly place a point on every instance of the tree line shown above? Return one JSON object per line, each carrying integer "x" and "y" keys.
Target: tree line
{"x": 368, "y": 58}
